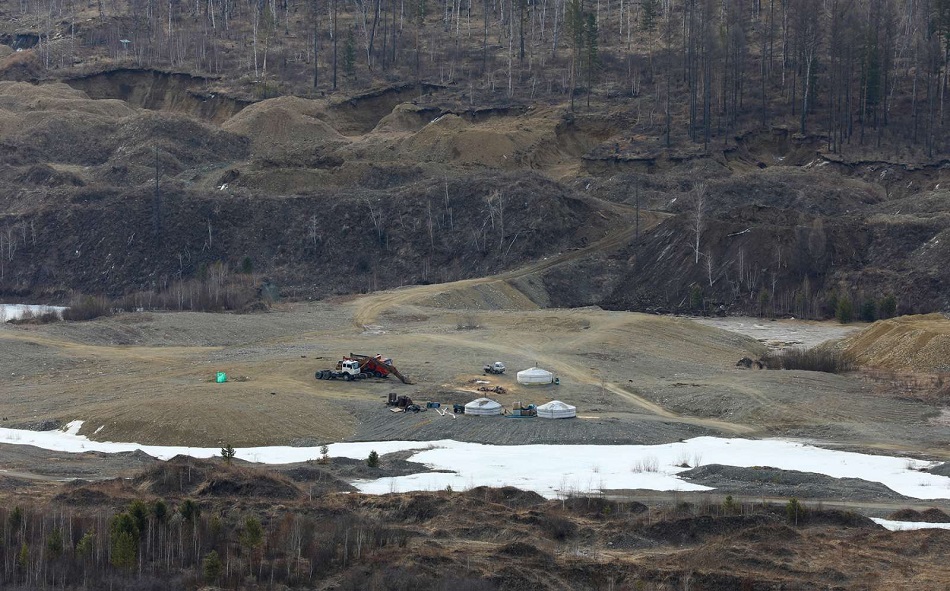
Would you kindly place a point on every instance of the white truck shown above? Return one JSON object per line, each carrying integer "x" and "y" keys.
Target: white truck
{"x": 495, "y": 368}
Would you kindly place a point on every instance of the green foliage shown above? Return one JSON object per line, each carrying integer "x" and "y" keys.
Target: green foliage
{"x": 54, "y": 544}
{"x": 253, "y": 535}
{"x": 794, "y": 511}
{"x": 844, "y": 312}
{"x": 324, "y": 454}
{"x": 649, "y": 10}
{"x": 349, "y": 54}
{"x": 373, "y": 459}
{"x": 247, "y": 265}
{"x": 868, "y": 311}
{"x": 888, "y": 306}
{"x": 189, "y": 510}
{"x": 227, "y": 452}
{"x": 139, "y": 512}
{"x": 16, "y": 519}
{"x": 211, "y": 567}
{"x": 730, "y": 505}
{"x": 591, "y": 46}
{"x": 160, "y": 511}
{"x": 696, "y": 297}
{"x": 123, "y": 541}
{"x": 23, "y": 558}
{"x": 763, "y": 301}
{"x": 86, "y": 544}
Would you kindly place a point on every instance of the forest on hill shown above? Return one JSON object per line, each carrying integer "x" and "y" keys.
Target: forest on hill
{"x": 868, "y": 73}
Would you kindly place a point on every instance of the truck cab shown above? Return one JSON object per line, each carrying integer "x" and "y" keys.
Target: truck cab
{"x": 351, "y": 367}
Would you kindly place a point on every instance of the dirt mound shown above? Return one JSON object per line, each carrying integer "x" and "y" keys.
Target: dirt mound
{"x": 24, "y": 65}
{"x": 23, "y": 97}
{"x": 407, "y": 117}
{"x": 283, "y": 127}
{"x": 941, "y": 469}
{"x": 764, "y": 480}
{"x": 601, "y": 507}
{"x": 690, "y": 530}
{"x": 523, "y": 550}
{"x": 915, "y": 343}
{"x": 509, "y": 496}
{"x": 421, "y": 508}
{"x": 186, "y": 476}
{"x": 244, "y": 484}
{"x": 504, "y": 143}
{"x": 932, "y": 515}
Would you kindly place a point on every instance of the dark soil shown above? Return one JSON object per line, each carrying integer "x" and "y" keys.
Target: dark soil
{"x": 771, "y": 482}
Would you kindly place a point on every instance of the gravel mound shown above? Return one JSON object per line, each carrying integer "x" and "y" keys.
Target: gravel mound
{"x": 932, "y": 515}
{"x": 772, "y": 482}
{"x": 941, "y": 469}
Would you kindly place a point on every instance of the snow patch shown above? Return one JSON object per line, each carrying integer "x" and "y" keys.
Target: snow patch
{"x": 908, "y": 525}
{"x": 550, "y": 470}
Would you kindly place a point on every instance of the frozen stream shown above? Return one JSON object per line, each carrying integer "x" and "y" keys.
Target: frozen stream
{"x": 16, "y": 311}
{"x": 550, "y": 470}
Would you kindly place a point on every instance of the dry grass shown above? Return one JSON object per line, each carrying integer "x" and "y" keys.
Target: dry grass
{"x": 907, "y": 343}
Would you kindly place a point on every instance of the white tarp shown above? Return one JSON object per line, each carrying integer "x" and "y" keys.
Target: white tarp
{"x": 535, "y": 375}
{"x": 557, "y": 410}
{"x": 483, "y": 406}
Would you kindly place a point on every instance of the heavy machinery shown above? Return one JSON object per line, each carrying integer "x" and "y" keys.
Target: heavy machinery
{"x": 495, "y": 368}
{"x": 360, "y": 367}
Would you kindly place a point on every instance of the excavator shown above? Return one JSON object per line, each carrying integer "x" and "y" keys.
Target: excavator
{"x": 358, "y": 367}
{"x": 378, "y": 367}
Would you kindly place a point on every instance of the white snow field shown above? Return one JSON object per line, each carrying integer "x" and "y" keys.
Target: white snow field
{"x": 908, "y": 525}
{"x": 551, "y": 470}
{"x": 15, "y": 311}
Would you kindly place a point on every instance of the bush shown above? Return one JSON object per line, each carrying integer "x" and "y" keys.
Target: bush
{"x": 88, "y": 308}
{"x": 868, "y": 312}
{"x": 373, "y": 460}
{"x": 212, "y": 567}
{"x": 844, "y": 311}
{"x": 795, "y": 511}
{"x": 696, "y": 297}
{"x": 888, "y": 306}
{"x": 557, "y": 527}
{"x": 815, "y": 359}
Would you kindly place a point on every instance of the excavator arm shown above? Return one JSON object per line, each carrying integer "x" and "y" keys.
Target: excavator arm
{"x": 390, "y": 368}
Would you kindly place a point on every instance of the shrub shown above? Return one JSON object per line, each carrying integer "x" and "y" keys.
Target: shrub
{"x": 189, "y": 510}
{"x": 87, "y": 308}
{"x": 227, "y": 452}
{"x": 557, "y": 527}
{"x": 868, "y": 312}
{"x": 373, "y": 460}
{"x": 888, "y": 306}
{"x": 211, "y": 565}
{"x": 815, "y": 359}
{"x": 795, "y": 511}
{"x": 696, "y": 297}
{"x": 844, "y": 311}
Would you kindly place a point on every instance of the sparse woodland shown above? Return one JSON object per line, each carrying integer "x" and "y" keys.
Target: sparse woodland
{"x": 861, "y": 72}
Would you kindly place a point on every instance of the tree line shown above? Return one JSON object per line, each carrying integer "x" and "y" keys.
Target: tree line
{"x": 180, "y": 545}
{"x": 864, "y": 72}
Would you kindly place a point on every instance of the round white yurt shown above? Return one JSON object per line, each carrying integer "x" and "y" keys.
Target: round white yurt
{"x": 535, "y": 375}
{"x": 483, "y": 406}
{"x": 557, "y": 410}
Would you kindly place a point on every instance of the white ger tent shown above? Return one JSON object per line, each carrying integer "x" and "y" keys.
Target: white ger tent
{"x": 483, "y": 406}
{"x": 557, "y": 410}
{"x": 535, "y": 375}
